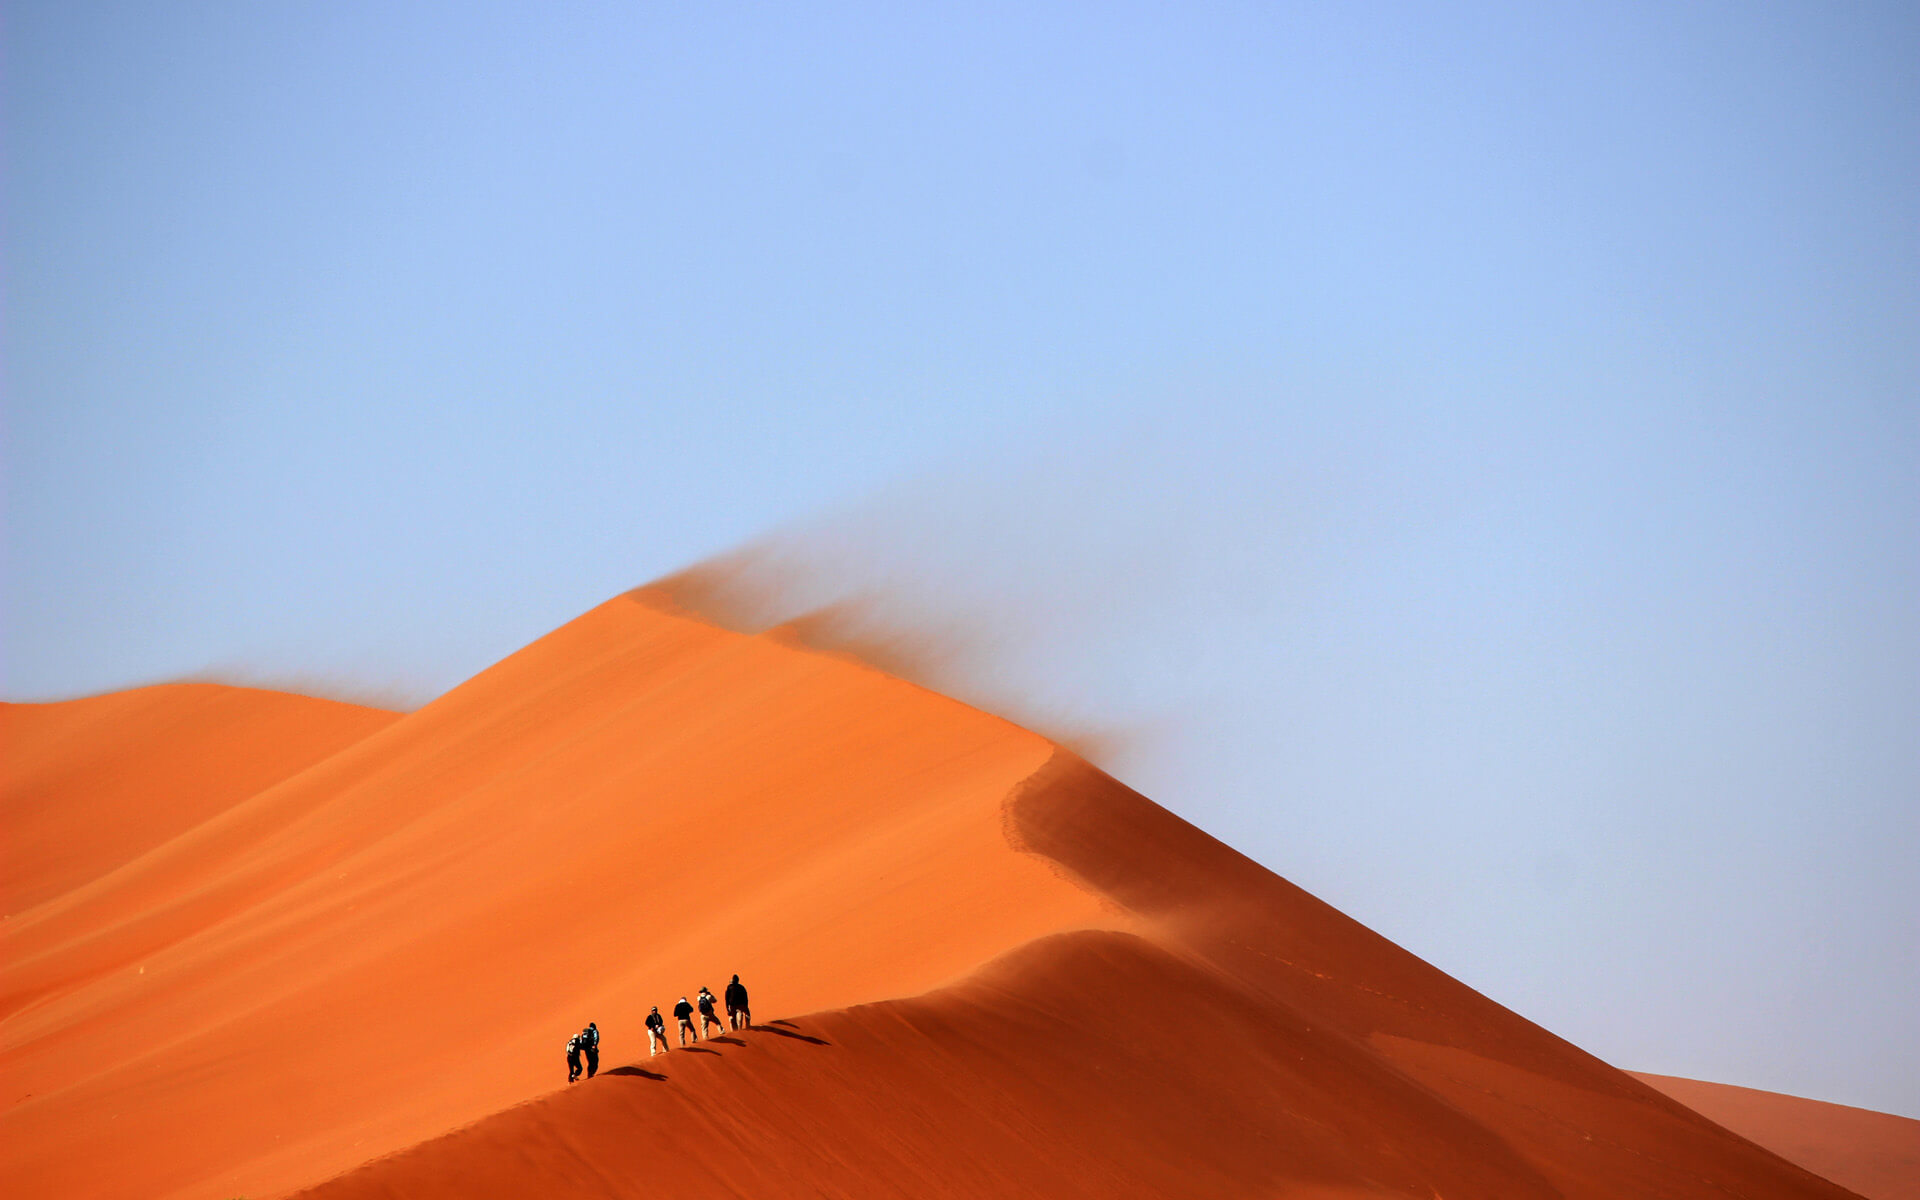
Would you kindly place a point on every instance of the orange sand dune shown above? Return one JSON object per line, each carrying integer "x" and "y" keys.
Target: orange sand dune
{"x": 1027, "y": 979}
{"x": 90, "y": 784}
{"x": 1874, "y": 1153}
{"x": 398, "y": 938}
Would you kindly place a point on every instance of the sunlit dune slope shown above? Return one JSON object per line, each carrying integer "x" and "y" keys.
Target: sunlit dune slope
{"x": 398, "y": 939}
{"x": 86, "y": 785}
{"x": 1024, "y": 979}
{"x": 1243, "y": 1039}
{"x": 1874, "y": 1153}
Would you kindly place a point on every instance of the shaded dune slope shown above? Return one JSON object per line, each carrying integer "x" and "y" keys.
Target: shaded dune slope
{"x": 1876, "y": 1154}
{"x": 1024, "y": 979}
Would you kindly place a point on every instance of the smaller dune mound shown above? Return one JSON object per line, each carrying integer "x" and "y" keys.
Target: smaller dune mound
{"x": 88, "y": 785}
{"x": 1874, "y": 1153}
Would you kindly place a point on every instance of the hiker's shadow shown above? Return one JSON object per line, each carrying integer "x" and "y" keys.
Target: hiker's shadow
{"x": 696, "y": 1050}
{"x": 640, "y": 1071}
{"x": 783, "y": 1028}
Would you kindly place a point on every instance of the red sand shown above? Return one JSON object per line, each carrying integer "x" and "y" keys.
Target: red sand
{"x": 1874, "y": 1153}
{"x": 1025, "y": 979}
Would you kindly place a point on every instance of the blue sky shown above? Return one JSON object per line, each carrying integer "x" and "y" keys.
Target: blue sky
{"x": 1476, "y": 448}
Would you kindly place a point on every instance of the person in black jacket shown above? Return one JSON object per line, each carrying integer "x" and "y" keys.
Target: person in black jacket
{"x": 656, "y": 1033}
{"x": 574, "y": 1047}
{"x": 684, "y": 1011}
{"x": 590, "y": 1042}
{"x": 737, "y": 1015}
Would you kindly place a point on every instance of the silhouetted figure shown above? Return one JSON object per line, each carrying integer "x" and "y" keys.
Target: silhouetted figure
{"x": 707, "y": 1016}
{"x": 656, "y": 1033}
{"x": 575, "y": 1044}
{"x": 737, "y": 1015}
{"x": 684, "y": 1011}
{"x": 591, "y": 1044}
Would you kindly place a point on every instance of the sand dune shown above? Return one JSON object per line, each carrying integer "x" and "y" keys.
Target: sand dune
{"x": 1874, "y": 1153}
{"x": 91, "y": 784}
{"x": 1023, "y": 977}
{"x": 396, "y": 939}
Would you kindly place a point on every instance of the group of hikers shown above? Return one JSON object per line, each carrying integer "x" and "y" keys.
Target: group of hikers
{"x": 586, "y": 1043}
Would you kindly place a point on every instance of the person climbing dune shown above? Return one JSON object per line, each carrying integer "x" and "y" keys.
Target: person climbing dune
{"x": 707, "y": 1015}
{"x": 684, "y": 1011}
{"x": 656, "y": 1033}
{"x": 574, "y": 1046}
{"x": 590, "y": 1042}
{"x": 737, "y": 1015}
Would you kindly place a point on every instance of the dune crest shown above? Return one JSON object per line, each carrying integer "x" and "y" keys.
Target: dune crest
{"x": 1023, "y": 977}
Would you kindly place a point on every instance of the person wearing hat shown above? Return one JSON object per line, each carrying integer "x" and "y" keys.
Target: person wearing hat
{"x": 684, "y": 1011}
{"x": 574, "y": 1046}
{"x": 707, "y": 1015}
{"x": 656, "y": 1033}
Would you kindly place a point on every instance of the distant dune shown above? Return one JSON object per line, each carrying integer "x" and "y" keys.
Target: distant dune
{"x": 1874, "y": 1153}
{"x": 91, "y": 784}
{"x": 351, "y": 941}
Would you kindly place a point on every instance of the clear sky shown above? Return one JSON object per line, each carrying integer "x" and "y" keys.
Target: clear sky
{"x": 1474, "y": 449}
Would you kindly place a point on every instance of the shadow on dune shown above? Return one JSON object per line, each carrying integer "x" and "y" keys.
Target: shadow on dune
{"x": 790, "y": 1033}
{"x": 698, "y": 1050}
{"x": 640, "y": 1071}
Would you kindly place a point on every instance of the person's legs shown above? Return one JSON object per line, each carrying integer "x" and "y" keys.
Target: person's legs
{"x": 686, "y": 1029}
{"x": 653, "y": 1043}
{"x": 593, "y": 1061}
